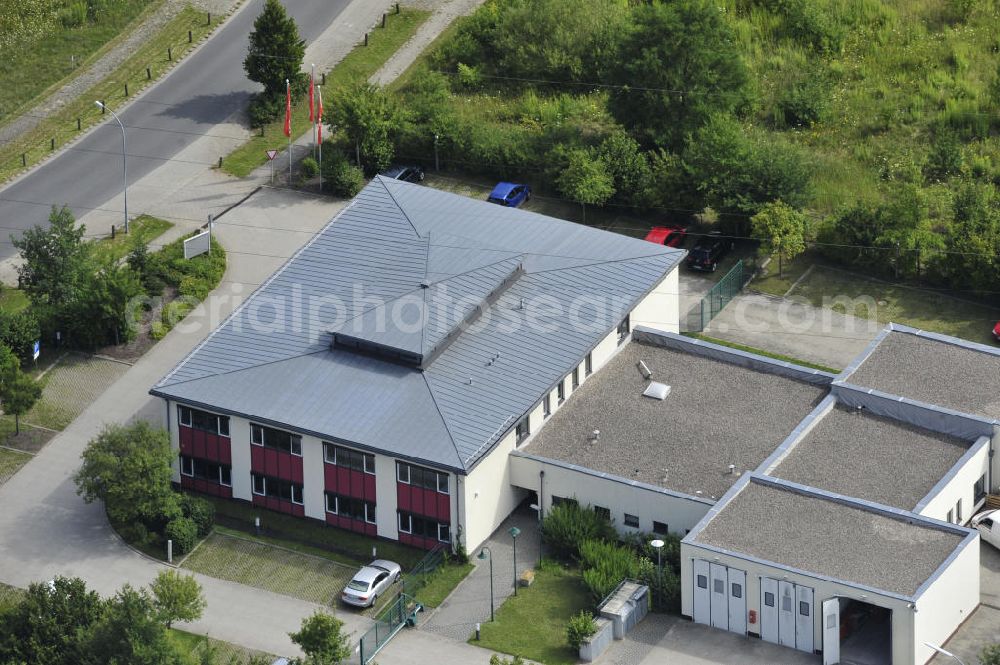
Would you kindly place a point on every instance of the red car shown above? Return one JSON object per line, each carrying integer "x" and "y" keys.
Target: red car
{"x": 671, "y": 236}
{"x": 996, "y": 332}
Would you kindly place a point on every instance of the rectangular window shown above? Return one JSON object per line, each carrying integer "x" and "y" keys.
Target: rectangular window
{"x": 576, "y": 378}
{"x": 444, "y": 533}
{"x": 419, "y": 476}
{"x": 803, "y": 608}
{"x": 350, "y": 507}
{"x": 561, "y": 392}
{"x": 702, "y": 582}
{"x": 623, "y": 329}
{"x": 424, "y": 527}
{"x": 737, "y": 590}
{"x": 660, "y": 528}
{"x": 405, "y": 523}
{"x": 559, "y": 500}
{"x": 350, "y": 459}
{"x": 769, "y": 599}
{"x": 206, "y": 470}
{"x": 202, "y": 420}
{"x": 277, "y": 488}
{"x": 547, "y": 406}
{"x": 187, "y": 466}
{"x": 523, "y": 428}
{"x": 958, "y": 512}
{"x": 276, "y": 438}
{"x": 588, "y": 365}
{"x": 719, "y": 586}
{"x": 979, "y": 489}
{"x": 226, "y": 475}
{"x": 603, "y": 512}
{"x": 632, "y": 521}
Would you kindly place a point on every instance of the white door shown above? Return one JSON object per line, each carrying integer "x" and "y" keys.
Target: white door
{"x": 702, "y": 600}
{"x": 804, "y": 620}
{"x": 737, "y": 601}
{"x": 831, "y": 631}
{"x": 769, "y": 610}
{"x": 720, "y": 598}
{"x": 786, "y": 614}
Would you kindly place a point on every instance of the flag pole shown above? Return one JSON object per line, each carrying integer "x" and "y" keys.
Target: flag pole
{"x": 319, "y": 136}
{"x": 288, "y": 127}
{"x": 312, "y": 106}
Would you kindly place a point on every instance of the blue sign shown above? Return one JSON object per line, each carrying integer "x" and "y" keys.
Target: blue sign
{"x": 36, "y": 350}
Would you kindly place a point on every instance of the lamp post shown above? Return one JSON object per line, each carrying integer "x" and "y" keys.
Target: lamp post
{"x": 943, "y": 652}
{"x": 114, "y": 115}
{"x": 485, "y": 553}
{"x": 514, "y": 533}
{"x": 658, "y": 546}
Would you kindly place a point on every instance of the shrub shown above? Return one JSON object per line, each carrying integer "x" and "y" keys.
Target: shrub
{"x": 990, "y": 655}
{"x": 568, "y": 525}
{"x": 18, "y": 332}
{"x": 670, "y": 552}
{"x": 184, "y": 532}
{"x": 265, "y": 109}
{"x": 200, "y": 511}
{"x": 309, "y": 168}
{"x": 605, "y": 565}
{"x": 664, "y": 585}
{"x": 580, "y": 628}
{"x": 340, "y": 176}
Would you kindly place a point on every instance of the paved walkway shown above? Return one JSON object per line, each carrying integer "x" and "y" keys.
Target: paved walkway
{"x": 469, "y": 603}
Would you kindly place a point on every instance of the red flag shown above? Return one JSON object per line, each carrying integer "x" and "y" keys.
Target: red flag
{"x": 312, "y": 82}
{"x": 288, "y": 109}
{"x": 319, "y": 118}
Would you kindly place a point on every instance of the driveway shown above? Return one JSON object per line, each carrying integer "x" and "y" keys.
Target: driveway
{"x": 46, "y": 530}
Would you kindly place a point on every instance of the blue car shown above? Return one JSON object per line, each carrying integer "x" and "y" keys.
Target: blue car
{"x": 510, "y": 194}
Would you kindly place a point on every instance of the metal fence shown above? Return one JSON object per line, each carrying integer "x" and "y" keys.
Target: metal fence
{"x": 387, "y": 624}
{"x": 719, "y": 296}
{"x": 417, "y": 578}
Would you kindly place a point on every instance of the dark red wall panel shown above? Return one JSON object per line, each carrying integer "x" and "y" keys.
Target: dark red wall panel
{"x": 206, "y": 487}
{"x": 205, "y": 445}
{"x": 276, "y": 463}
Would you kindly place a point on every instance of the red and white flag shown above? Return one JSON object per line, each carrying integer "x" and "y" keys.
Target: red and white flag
{"x": 288, "y": 109}
{"x": 312, "y": 83}
{"x": 319, "y": 117}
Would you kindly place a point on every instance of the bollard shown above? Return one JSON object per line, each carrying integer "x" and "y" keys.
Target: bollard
{"x": 103, "y": 107}
{"x": 189, "y": 37}
{"x": 384, "y": 17}
{"x": 374, "y": 552}
{"x": 112, "y": 231}
{"x": 262, "y": 130}
{"x": 397, "y": 7}
{"x": 170, "y": 551}
{"x": 78, "y": 126}
{"x": 256, "y": 525}
{"x": 126, "y": 89}
{"x": 220, "y": 162}
{"x": 366, "y": 39}
{"x": 324, "y": 78}
{"x": 170, "y": 53}
{"x": 209, "y": 20}
{"x": 149, "y": 74}
{"x": 52, "y": 143}
{"x": 24, "y": 161}
{"x": 477, "y": 632}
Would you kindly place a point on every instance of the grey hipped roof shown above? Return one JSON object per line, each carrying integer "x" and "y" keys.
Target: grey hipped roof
{"x": 441, "y": 391}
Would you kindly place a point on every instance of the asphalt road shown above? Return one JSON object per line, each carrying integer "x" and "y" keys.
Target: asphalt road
{"x": 201, "y": 92}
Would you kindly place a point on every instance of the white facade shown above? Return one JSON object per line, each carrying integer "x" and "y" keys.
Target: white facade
{"x": 955, "y": 500}
{"x": 661, "y": 308}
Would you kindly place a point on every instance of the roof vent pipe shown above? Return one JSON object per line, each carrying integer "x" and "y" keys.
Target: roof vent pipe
{"x": 595, "y": 435}
{"x": 732, "y": 469}
{"x": 521, "y": 304}
{"x": 646, "y": 373}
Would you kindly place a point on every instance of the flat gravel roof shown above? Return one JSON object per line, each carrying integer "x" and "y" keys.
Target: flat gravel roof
{"x": 717, "y": 414}
{"x": 872, "y": 458}
{"x": 826, "y": 537}
{"x": 936, "y": 372}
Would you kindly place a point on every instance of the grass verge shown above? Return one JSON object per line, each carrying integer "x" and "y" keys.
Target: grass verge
{"x": 762, "y": 352}
{"x": 11, "y": 462}
{"x": 62, "y": 126}
{"x": 192, "y": 278}
{"x": 13, "y": 300}
{"x": 358, "y": 65}
{"x": 200, "y": 649}
{"x": 441, "y": 582}
{"x": 533, "y": 623}
{"x": 142, "y": 229}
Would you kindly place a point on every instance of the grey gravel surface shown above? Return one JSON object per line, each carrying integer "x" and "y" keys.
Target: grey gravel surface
{"x": 829, "y": 538}
{"x": 873, "y": 458}
{"x": 716, "y": 415}
{"x": 944, "y": 374}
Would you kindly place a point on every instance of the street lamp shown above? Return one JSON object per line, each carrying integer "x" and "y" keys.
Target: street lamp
{"x": 658, "y": 546}
{"x": 484, "y": 554}
{"x": 102, "y": 105}
{"x": 514, "y": 533}
{"x": 943, "y": 652}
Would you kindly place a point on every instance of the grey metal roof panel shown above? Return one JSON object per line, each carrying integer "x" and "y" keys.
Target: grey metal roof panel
{"x": 396, "y": 239}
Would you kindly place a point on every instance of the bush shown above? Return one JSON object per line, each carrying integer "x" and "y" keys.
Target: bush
{"x": 664, "y": 585}
{"x": 670, "y": 552}
{"x": 340, "y": 176}
{"x": 309, "y": 168}
{"x": 19, "y": 331}
{"x": 567, "y": 526}
{"x": 200, "y": 511}
{"x": 990, "y": 655}
{"x": 581, "y": 627}
{"x": 605, "y": 565}
{"x": 184, "y": 532}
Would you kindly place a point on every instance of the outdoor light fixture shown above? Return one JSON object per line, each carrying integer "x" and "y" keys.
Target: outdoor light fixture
{"x": 483, "y": 555}
{"x": 105, "y": 107}
{"x": 514, "y": 533}
{"x": 658, "y": 546}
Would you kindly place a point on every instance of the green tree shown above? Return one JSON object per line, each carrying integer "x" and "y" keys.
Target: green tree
{"x": 322, "y": 640}
{"x": 627, "y": 165}
{"x": 19, "y": 394}
{"x": 586, "y": 179}
{"x": 103, "y": 312}
{"x": 177, "y": 597}
{"x": 54, "y": 260}
{"x": 782, "y": 230}
{"x": 19, "y": 331}
{"x": 44, "y": 627}
{"x": 129, "y": 633}
{"x": 990, "y": 655}
{"x": 679, "y": 64}
{"x": 129, "y": 468}
{"x": 371, "y": 119}
{"x": 276, "y": 50}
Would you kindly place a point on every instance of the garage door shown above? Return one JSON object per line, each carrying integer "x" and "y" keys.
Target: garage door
{"x": 769, "y": 610}
{"x": 719, "y": 596}
{"x": 787, "y": 614}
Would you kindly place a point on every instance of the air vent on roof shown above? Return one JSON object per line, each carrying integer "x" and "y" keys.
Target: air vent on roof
{"x": 644, "y": 369}
{"x": 426, "y": 284}
{"x": 656, "y": 390}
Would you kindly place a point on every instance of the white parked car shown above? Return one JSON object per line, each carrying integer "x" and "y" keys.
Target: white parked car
{"x": 371, "y": 582}
{"x": 988, "y": 525}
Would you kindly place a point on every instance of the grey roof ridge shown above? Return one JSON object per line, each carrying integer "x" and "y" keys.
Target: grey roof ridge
{"x": 597, "y": 263}
{"x": 427, "y": 267}
{"x": 407, "y": 217}
{"x": 241, "y": 369}
{"x": 444, "y": 421}
{"x": 245, "y": 303}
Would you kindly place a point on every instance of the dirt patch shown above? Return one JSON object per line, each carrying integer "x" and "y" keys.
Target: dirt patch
{"x": 30, "y": 440}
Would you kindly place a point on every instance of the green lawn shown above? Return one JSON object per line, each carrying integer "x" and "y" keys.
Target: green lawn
{"x": 533, "y": 624}
{"x": 196, "y": 647}
{"x": 440, "y": 583}
{"x": 142, "y": 229}
{"x": 13, "y": 300}
{"x": 762, "y": 352}
{"x": 30, "y": 69}
{"x": 62, "y": 125}
{"x": 10, "y": 463}
{"x": 359, "y": 65}
{"x": 9, "y": 596}
{"x": 885, "y": 302}
{"x": 70, "y": 387}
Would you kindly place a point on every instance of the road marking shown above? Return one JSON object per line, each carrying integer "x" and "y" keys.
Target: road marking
{"x": 796, "y": 282}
